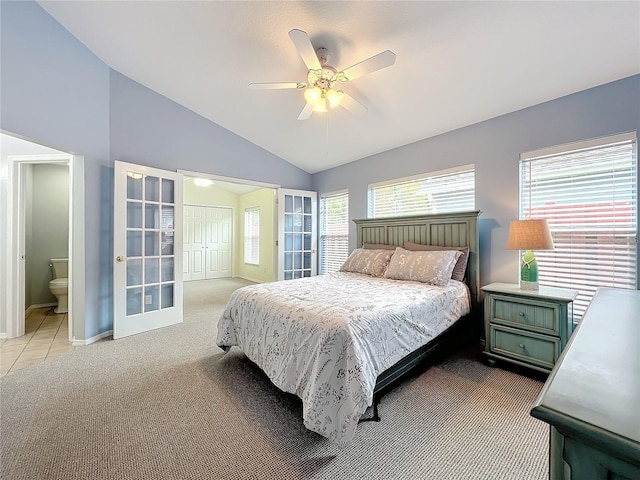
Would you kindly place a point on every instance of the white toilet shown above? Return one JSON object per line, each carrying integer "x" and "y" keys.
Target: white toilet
{"x": 59, "y": 286}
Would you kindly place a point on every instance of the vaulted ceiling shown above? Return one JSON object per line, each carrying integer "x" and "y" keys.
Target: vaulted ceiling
{"x": 458, "y": 63}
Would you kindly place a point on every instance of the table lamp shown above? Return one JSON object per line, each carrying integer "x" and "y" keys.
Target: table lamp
{"x": 528, "y": 235}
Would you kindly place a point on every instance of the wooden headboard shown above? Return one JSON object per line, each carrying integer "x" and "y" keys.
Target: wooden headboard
{"x": 445, "y": 229}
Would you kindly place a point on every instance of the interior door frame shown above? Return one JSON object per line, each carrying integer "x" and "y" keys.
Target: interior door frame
{"x": 16, "y": 241}
{"x": 242, "y": 181}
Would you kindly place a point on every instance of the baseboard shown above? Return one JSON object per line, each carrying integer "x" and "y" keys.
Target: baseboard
{"x": 250, "y": 279}
{"x": 38, "y": 305}
{"x": 94, "y": 339}
{"x": 3, "y": 336}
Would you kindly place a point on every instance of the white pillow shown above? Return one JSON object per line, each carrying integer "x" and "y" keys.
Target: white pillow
{"x": 433, "y": 267}
{"x": 367, "y": 261}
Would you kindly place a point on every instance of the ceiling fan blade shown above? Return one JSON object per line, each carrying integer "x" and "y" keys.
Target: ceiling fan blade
{"x": 304, "y": 47}
{"x": 377, "y": 62}
{"x": 275, "y": 85}
{"x": 306, "y": 112}
{"x": 352, "y": 105}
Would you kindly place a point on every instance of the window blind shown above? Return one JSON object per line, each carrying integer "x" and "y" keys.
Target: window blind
{"x": 589, "y": 197}
{"x": 439, "y": 192}
{"x": 252, "y": 236}
{"x": 334, "y": 231}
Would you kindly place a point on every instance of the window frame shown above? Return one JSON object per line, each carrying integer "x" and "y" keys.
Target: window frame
{"x": 251, "y": 242}
{"x": 325, "y": 265}
{"x": 438, "y": 181}
{"x": 590, "y": 240}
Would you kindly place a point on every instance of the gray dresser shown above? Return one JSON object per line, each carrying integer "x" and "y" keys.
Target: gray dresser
{"x": 592, "y": 397}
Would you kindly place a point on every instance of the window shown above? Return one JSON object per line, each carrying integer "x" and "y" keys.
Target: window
{"x": 588, "y": 194}
{"x": 252, "y": 236}
{"x": 334, "y": 231}
{"x": 438, "y": 192}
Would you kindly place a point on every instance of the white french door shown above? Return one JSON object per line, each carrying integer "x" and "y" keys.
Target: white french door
{"x": 147, "y": 249}
{"x": 297, "y": 234}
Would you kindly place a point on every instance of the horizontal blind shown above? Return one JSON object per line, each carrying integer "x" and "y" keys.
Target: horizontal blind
{"x": 436, "y": 193}
{"x": 589, "y": 197}
{"x": 334, "y": 231}
{"x": 252, "y": 236}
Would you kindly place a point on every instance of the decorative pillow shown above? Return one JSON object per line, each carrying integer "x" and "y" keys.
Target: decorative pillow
{"x": 459, "y": 269}
{"x": 369, "y": 262}
{"x": 378, "y": 246}
{"x": 433, "y": 266}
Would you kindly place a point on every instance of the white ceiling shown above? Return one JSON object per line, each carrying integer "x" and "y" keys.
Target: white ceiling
{"x": 458, "y": 63}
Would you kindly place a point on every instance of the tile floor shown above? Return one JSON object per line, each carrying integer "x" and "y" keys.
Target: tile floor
{"x": 46, "y": 336}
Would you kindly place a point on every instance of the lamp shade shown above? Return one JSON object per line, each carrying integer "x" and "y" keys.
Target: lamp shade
{"x": 530, "y": 234}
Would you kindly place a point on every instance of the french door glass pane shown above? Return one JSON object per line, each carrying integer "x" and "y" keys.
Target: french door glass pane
{"x": 134, "y": 215}
{"x": 151, "y": 189}
{"x": 134, "y": 301}
{"x": 167, "y": 296}
{"x": 134, "y": 272}
{"x": 151, "y": 294}
{"x": 167, "y": 191}
{"x": 167, "y": 269}
{"x": 151, "y": 270}
{"x": 151, "y": 246}
{"x": 134, "y": 186}
{"x": 134, "y": 243}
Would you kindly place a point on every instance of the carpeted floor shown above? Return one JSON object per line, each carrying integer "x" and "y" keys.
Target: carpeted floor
{"x": 168, "y": 404}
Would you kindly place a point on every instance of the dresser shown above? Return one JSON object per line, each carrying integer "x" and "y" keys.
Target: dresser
{"x": 592, "y": 397}
{"x": 527, "y": 327}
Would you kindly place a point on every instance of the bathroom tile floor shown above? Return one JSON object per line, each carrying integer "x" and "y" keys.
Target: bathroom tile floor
{"x": 46, "y": 336}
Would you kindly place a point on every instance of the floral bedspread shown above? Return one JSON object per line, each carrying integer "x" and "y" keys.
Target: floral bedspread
{"x": 327, "y": 338}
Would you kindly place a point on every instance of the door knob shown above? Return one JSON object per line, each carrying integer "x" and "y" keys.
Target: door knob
{"x": 119, "y": 258}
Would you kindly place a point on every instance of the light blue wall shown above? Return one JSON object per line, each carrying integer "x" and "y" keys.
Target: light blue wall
{"x": 494, "y": 146}
{"x": 56, "y": 92}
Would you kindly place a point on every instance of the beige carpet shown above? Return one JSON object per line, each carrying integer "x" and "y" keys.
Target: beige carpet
{"x": 169, "y": 404}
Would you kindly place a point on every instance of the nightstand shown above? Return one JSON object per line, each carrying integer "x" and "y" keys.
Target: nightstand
{"x": 527, "y": 327}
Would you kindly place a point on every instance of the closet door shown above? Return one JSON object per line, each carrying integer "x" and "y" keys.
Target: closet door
{"x": 194, "y": 242}
{"x": 219, "y": 236}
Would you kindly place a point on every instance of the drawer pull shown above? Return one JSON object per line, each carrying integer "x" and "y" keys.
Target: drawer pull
{"x": 521, "y": 314}
{"x": 521, "y": 345}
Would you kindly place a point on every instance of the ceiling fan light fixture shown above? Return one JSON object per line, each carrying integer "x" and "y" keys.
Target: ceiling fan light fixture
{"x": 320, "y": 106}
{"x": 313, "y": 95}
{"x": 334, "y": 97}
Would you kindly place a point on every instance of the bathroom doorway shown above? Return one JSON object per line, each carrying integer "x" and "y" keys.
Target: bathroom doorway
{"x": 23, "y": 158}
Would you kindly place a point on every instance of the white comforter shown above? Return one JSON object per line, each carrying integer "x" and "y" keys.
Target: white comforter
{"x": 327, "y": 338}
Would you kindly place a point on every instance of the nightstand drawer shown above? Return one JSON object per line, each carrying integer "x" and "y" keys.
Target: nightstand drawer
{"x": 534, "y": 315}
{"x": 527, "y": 347}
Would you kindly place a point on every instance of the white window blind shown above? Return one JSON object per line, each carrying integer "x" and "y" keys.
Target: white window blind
{"x": 252, "y": 236}
{"x": 588, "y": 194}
{"x": 334, "y": 231}
{"x": 438, "y": 192}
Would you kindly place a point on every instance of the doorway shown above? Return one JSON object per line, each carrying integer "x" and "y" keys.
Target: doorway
{"x": 21, "y": 156}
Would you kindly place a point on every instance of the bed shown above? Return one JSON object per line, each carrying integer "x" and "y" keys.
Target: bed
{"x": 338, "y": 341}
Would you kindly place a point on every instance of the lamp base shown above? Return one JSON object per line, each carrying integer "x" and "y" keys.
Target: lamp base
{"x": 525, "y": 285}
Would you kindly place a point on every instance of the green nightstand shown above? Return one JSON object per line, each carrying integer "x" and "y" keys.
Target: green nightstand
{"x": 527, "y": 327}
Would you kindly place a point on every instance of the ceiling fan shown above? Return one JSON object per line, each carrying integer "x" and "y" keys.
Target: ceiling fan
{"x": 319, "y": 91}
